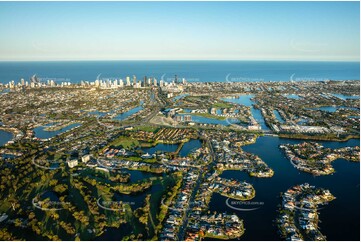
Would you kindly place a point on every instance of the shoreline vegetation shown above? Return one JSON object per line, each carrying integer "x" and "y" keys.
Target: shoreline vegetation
{"x": 234, "y": 189}
{"x": 237, "y": 235}
{"x": 16, "y": 133}
{"x": 10, "y": 130}
{"x": 240, "y": 198}
{"x": 299, "y": 214}
{"x": 171, "y": 192}
{"x": 313, "y": 158}
{"x": 155, "y": 143}
{"x": 59, "y": 126}
{"x": 318, "y": 137}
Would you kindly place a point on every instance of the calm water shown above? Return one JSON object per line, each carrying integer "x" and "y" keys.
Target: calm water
{"x": 256, "y": 113}
{"x": 161, "y": 147}
{"x": 51, "y": 195}
{"x": 293, "y": 96}
{"x": 5, "y": 137}
{"x": 179, "y": 97}
{"x": 97, "y": 113}
{"x": 340, "y": 218}
{"x": 344, "y": 97}
{"x": 136, "y": 176}
{"x": 190, "y": 146}
{"x": 43, "y": 134}
{"x": 203, "y": 71}
{"x": 333, "y": 109}
{"x": 125, "y": 115}
{"x": 242, "y": 99}
{"x": 187, "y": 148}
{"x": 121, "y": 116}
{"x": 278, "y": 116}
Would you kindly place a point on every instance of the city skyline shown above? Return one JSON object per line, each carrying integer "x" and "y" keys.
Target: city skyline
{"x": 302, "y": 31}
{"x": 180, "y": 121}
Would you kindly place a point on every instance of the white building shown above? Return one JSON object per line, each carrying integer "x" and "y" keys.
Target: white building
{"x": 72, "y": 163}
{"x": 85, "y": 158}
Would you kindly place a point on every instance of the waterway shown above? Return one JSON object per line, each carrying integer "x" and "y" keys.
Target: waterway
{"x": 190, "y": 146}
{"x": 179, "y": 97}
{"x": 333, "y": 109}
{"x": 125, "y": 115}
{"x": 344, "y": 97}
{"x": 293, "y": 96}
{"x": 242, "y": 99}
{"x": 136, "y": 176}
{"x": 340, "y": 218}
{"x": 119, "y": 117}
{"x": 5, "y": 137}
{"x": 278, "y": 116}
{"x": 43, "y": 134}
{"x": 160, "y": 147}
{"x": 187, "y": 148}
{"x": 52, "y": 196}
{"x": 256, "y": 113}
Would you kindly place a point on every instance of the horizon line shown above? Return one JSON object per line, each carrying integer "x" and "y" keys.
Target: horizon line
{"x": 266, "y": 60}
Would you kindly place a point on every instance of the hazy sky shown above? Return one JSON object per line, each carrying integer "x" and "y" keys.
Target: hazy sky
{"x": 179, "y": 30}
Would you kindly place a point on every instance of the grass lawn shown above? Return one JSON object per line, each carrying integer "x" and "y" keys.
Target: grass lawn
{"x": 146, "y": 128}
{"x": 125, "y": 142}
{"x": 222, "y": 105}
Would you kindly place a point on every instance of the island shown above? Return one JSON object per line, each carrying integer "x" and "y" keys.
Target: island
{"x": 298, "y": 216}
{"x": 143, "y": 158}
{"x": 313, "y": 158}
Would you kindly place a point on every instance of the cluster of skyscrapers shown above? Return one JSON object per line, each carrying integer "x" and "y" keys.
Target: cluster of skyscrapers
{"x": 105, "y": 83}
{"x": 145, "y": 82}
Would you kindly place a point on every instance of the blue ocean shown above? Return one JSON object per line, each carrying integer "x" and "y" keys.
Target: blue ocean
{"x": 192, "y": 71}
